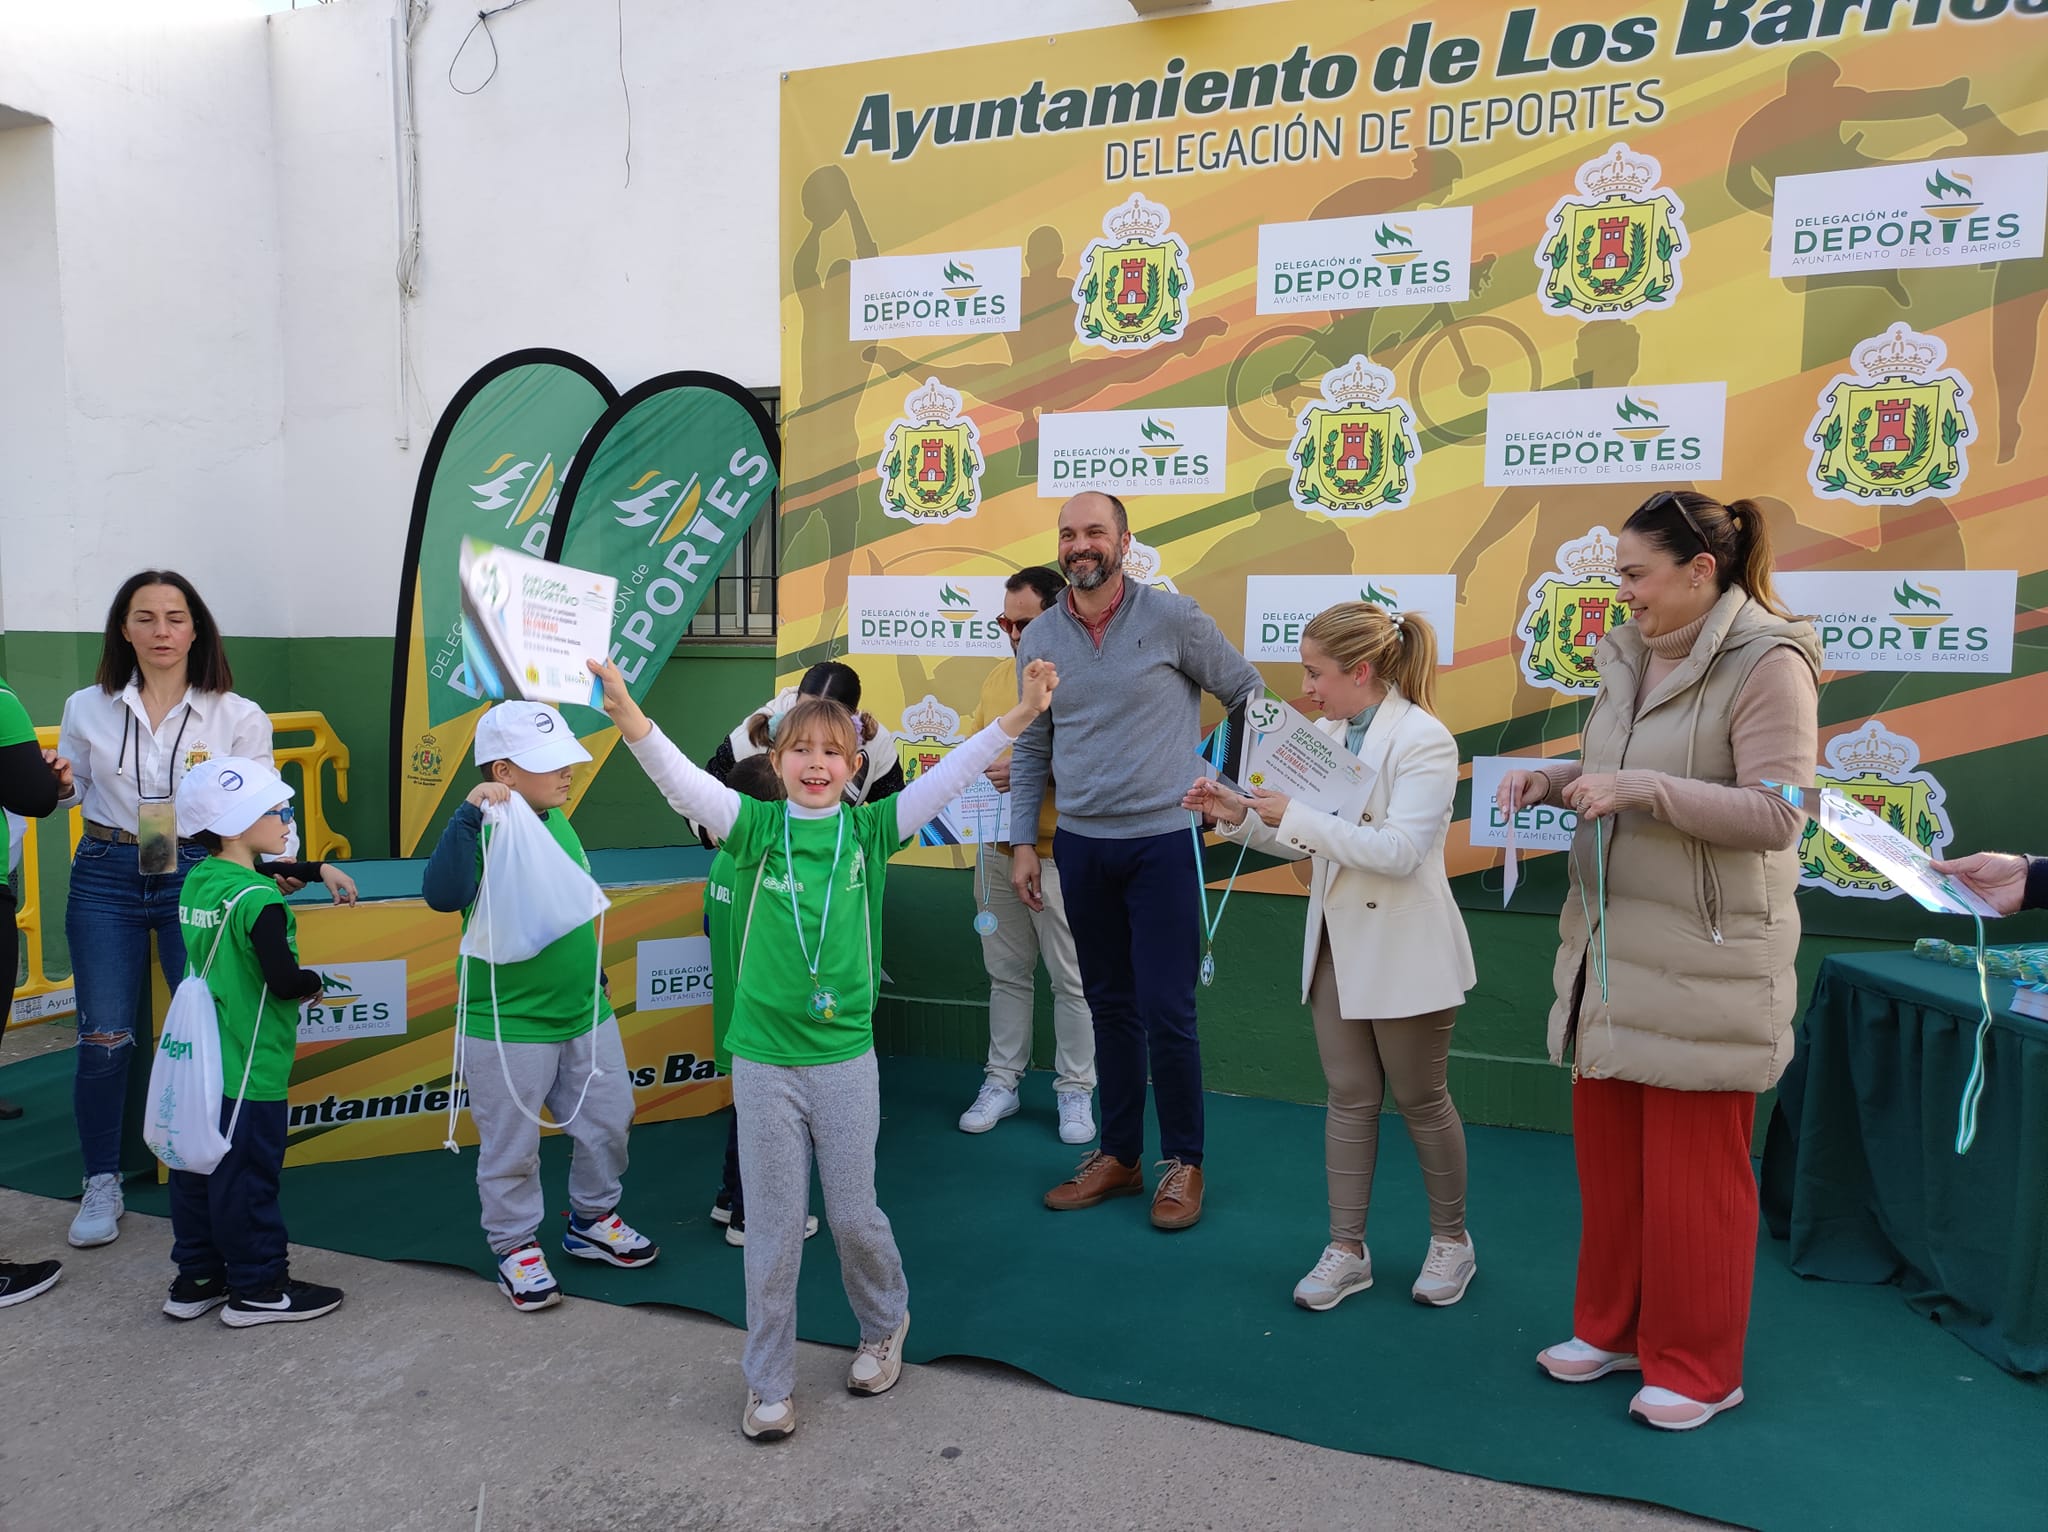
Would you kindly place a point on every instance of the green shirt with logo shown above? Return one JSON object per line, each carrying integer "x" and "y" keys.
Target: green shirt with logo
{"x": 772, "y": 989}
{"x": 236, "y": 978}
{"x": 548, "y": 998}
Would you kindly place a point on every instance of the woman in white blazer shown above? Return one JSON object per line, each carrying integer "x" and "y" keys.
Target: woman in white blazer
{"x": 1385, "y": 963}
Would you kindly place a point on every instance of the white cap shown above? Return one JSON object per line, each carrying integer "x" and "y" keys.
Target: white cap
{"x": 531, "y": 735}
{"x": 227, "y": 795}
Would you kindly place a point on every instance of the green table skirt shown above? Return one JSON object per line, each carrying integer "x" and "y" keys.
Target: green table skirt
{"x": 1860, "y": 1168}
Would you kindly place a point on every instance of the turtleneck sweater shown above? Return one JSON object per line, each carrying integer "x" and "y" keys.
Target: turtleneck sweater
{"x": 1773, "y": 730}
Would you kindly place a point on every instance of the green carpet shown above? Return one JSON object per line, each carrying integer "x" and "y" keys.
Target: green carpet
{"x": 1860, "y": 1414}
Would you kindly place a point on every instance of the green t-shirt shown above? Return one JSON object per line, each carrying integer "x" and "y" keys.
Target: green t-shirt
{"x": 720, "y": 923}
{"x": 771, "y": 990}
{"x": 547, "y": 998}
{"x": 236, "y": 978}
{"x": 15, "y": 729}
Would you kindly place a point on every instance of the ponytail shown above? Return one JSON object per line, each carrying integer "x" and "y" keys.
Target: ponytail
{"x": 1753, "y": 557}
{"x": 1413, "y": 668}
{"x": 1401, "y": 653}
{"x": 1684, "y": 524}
{"x": 761, "y": 730}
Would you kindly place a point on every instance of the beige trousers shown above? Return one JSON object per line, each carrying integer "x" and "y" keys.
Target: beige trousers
{"x": 1361, "y": 1059}
{"x": 1011, "y": 953}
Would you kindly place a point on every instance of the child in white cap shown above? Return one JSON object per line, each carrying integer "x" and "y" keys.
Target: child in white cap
{"x": 227, "y": 1231}
{"x": 555, "y": 1031}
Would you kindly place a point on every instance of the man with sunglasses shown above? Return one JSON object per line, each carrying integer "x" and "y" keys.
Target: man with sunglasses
{"x": 1023, "y": 934}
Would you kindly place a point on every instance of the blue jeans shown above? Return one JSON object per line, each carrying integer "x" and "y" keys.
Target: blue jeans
{"x": 1135, "y": 910}
{"x": 228, "y": 1226}
{"x": 108, "y": 919}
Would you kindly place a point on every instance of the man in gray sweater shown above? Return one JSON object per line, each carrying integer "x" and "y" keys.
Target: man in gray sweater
{"x": 1118, "y": 738}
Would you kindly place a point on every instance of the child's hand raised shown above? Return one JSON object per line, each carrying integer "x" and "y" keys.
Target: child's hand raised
{"x": 488, "y": 792}
{"x": 619, "y": 705}
{"x": 1041, "y": 678}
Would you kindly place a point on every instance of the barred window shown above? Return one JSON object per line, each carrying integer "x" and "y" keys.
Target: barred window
{"x": 741, "y": 606}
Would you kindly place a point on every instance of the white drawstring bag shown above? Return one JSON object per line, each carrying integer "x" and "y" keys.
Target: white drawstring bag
{"x": 185, "y": 1085}
{"x": 530, "y": 896}
{"x": 532, "y": 893}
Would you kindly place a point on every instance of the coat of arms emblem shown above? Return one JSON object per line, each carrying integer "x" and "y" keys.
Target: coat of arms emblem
{"x": 1134, "y": 284}
{"x": 1614, "y": 249}
{"x": 1570, "y": 610}
{"x": 931, "y": 466}
{"x": 1879, "y": 769}
{"x": 1894, "y": 432}
{"x": 1355, "y": 452}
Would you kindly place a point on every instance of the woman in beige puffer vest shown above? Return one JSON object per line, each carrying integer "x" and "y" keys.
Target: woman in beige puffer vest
{"x": 1675, "y": 989}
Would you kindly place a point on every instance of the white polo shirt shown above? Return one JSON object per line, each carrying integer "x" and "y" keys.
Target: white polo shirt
{"x": 117, "y": 759}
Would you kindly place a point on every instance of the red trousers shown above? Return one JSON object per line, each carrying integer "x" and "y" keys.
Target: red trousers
{"x": 1667, "y": 1241}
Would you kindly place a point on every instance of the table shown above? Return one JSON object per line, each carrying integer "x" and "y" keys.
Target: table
{"x": 1860, "y": 1168}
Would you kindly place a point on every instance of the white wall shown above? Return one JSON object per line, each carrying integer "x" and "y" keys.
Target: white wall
{"x": 170, "y": 410}
{"x": 227, "y": 239}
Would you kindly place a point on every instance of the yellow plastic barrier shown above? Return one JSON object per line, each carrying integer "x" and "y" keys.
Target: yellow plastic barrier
{"x": 39, "y": 997}
{"x": 322, "y": 842}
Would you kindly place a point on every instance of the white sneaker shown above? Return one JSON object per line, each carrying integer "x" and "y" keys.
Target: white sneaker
{"x": 99, "y": 1215}
{"x": 990, "y": 1107}
{"x": 767, "y": 1422}
{"x": 523, "y": 1276}
{"x": 1669, "y": 1411}
{"x": 1077, "y": 1118}
{"x": 1336, "y": 1275}
{"x": 878, "y": 1364}
{"x": 1577, "y": 1361}
{"x": 1446, "y": 1272}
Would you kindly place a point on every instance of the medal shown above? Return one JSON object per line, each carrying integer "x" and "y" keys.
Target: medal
{"x": 824, "y": 999}
{"x": 985, "y": 922}
{"x": 1207, "y": 972}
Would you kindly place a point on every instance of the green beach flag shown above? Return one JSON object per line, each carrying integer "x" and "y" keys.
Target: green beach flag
{"x": 664, "y": 491}
{"x": 493, "y": 470}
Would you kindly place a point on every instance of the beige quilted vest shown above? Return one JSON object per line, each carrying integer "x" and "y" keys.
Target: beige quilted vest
{"x": 1700, "y": 938}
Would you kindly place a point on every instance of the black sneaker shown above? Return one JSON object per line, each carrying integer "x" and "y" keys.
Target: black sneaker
{"x": 192, "y": 1296}
{"x": 281, "y": 1305}
{"x": 21, "y": 1281}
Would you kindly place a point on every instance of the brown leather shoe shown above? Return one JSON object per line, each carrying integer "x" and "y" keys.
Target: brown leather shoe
{"x": 1100, "y": 1177}
{"x": 1177, "y": 1203}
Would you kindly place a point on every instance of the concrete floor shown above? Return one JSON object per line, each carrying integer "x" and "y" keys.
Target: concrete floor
{"x": 426, "y": 1386}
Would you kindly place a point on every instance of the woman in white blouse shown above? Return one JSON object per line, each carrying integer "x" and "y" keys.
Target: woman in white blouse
{"x": 1386, "y": 962}
{"x": 161, "y": 703}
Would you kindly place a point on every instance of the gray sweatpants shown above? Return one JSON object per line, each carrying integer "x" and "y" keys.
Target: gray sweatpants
{"x": 508, "y": 1143}
{"x": 784, "y": 1114}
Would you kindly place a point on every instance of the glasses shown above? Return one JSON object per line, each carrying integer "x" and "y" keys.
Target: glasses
{"x": 1671, "y": 498}
{"x": 1012, "y": 628}
{"x": 283, "y": 813}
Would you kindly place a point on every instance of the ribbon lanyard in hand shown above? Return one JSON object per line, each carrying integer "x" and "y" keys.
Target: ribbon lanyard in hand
{"x": 985, "y": 921}
{"x": 824, "y": 1001}
{"x": 1209, "y": 926}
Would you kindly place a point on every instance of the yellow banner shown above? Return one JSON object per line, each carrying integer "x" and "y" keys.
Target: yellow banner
{"x": 1417, "y": 302}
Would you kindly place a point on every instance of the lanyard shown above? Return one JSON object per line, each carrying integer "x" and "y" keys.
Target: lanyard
{"x": 795, "y": 915}
{"x": 131, "y": 724}
{"x": 1209, "y": 926}
{"x": 985, "y": 921}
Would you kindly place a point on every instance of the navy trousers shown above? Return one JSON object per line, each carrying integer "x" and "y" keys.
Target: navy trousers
{"x": 228, "y": 1225}
{"x": 1135, "y": 909}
